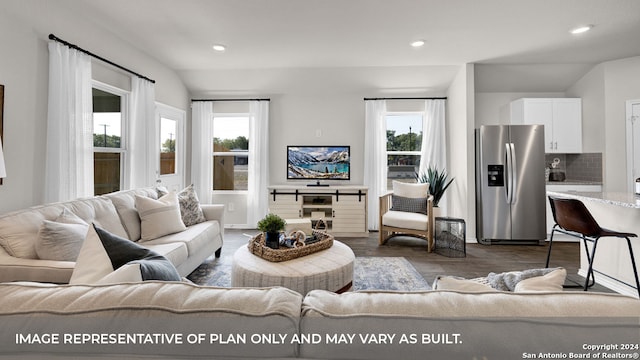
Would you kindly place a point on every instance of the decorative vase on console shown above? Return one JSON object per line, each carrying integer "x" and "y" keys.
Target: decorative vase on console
{"x": 438, "y": 184}
{"x": 271, "y": 225}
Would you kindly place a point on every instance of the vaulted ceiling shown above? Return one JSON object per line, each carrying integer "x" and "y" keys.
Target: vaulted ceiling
{"x": 529, "y": 39}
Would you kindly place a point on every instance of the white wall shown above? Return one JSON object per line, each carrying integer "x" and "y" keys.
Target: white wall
{"x": 621, "y": 83}
{"x": 460, "y": 148}
{"x": 306, "y": 102}
{"x": 604, "y": 91}
{"x": 24, "y": 27}
{"x": 590, "y": 88}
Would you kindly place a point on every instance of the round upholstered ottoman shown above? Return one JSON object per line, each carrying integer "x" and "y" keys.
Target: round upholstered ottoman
{"x": 330, "y": 269}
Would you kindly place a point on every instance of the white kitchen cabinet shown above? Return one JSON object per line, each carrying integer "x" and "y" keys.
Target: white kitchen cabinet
{"x": 561, "y": 117}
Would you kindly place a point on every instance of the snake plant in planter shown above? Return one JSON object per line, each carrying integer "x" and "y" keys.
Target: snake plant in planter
{"x": 438, "y": 182}
{"x": 271, "y": 225}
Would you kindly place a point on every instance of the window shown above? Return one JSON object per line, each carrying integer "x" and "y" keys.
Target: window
{"x": 168, "y": 133}
{"x": 404, "y": 142}
{"x": 108, "y": 140}
{"x": 230, "y": 151}
{"x": 170, "y": 142}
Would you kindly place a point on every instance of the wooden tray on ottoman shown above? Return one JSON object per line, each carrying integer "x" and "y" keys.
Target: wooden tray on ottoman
{"x": 258, "y": 248}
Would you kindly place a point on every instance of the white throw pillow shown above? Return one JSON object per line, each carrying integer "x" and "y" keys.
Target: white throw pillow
{"x": 61, "y": 239}
{"x": 189, "y": 205}
{"x": 107, "y": 258}
{"x": 552, "y": 281}
{"x": 159, "y": 217}
{"x": 125, "y": 273}
{"x": 93, "y": 262}
{"x": 410, "y": 190}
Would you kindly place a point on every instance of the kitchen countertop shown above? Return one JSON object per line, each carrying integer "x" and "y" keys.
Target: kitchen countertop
{"x": 573, "y": 182}
{"x": 624, "y": 199}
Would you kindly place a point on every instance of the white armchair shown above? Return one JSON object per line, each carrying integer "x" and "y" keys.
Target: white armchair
{"x": 408, "y": 210}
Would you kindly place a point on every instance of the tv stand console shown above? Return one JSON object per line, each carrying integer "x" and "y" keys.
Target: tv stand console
{"x": 343, "y": 208}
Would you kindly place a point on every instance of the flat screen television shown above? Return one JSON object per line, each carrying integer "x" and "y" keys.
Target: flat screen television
{"x": 318, "y": 163}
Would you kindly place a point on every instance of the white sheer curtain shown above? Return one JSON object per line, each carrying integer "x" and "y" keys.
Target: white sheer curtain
{"x": 141, "y": 148}
{"x": 433, "y": 139}
{"x": 257, "y": 205}
{"x": 375, "y": 157}
{"x": 202, "y": 149}
{"x": 69, "y": 156}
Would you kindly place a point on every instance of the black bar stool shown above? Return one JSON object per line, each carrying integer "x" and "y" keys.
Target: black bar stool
{"x": 573, "y": 218}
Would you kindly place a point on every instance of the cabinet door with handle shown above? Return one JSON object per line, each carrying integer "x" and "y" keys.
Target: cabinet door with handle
{"x": 540, "y": 111}
{"x": 567, "y": 125}
{"x": 349, "y": 214}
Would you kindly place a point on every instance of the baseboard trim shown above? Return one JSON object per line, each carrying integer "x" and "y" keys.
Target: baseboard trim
{"x": 611, "y": 283}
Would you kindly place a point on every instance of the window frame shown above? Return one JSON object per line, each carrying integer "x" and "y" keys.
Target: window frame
{"x": 226, "y": 153}
{"x": 402, "y": 152}
{"x": 124, "y": 122}
{"x": 177, "y": 115}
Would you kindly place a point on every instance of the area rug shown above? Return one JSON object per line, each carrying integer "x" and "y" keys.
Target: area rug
{"x": 370, "y": 273}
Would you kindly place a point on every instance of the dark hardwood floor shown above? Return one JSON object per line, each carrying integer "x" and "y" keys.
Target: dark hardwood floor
{"x": 480, "y": 260}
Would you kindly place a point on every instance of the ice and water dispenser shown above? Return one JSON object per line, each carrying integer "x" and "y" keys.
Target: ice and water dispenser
{"x": 496, "y": 175}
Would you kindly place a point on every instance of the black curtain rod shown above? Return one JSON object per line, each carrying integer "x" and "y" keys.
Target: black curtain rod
{"x": 53, "y": 37}
{"x": 193, "y": 100}
{"x": 408, "y": 98}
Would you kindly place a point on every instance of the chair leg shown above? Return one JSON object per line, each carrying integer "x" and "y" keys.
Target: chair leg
{"x": 633, "y": 264}
{"x": 586, "y": 250}
{"x": 550, "y": 244}
{"x": 590, "y": 271}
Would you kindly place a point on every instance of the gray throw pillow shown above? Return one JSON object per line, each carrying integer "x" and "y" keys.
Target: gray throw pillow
{"x": 190, "y": 209}
{"x": 61, "y": 239}
{"x": 153, "y": 266}
{"x": 104, "y": 254}
{"x": 412, "y": 205}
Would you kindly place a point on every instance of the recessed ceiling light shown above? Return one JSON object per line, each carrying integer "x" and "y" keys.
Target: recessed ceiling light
{"x": 417, "y": 43}
{"x": 581, "y": 29}
{"x": 219, "y": 47}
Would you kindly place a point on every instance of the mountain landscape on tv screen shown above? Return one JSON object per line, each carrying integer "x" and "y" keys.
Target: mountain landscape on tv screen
{"x": 330, "y": 163}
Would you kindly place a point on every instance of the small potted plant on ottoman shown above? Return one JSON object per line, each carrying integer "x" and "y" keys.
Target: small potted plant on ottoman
{"x": 271, "y": 225}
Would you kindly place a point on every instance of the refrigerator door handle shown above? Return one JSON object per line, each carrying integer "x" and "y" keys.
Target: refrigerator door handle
{"x": 514, "y": 173}
{"x": 508, "y": 172}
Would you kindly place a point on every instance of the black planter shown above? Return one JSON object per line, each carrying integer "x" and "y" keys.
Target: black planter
{"x": 272, "y": 240}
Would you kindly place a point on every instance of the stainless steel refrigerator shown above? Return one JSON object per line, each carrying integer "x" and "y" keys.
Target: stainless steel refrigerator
{"x": 510, "y": 185}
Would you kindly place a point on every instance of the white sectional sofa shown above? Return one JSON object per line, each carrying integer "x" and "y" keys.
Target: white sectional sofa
{"x": 190, "y": 321}
{"x": 115, "y": 213}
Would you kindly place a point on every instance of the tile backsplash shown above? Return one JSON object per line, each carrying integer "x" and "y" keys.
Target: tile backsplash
{"x": 579, "y": 167}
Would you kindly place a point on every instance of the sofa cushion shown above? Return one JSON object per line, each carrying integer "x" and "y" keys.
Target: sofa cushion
{"x": 159, "y": 217}
{"x": 194, "y": 237}
{"x": 460, "y": 284}
{"x": 410, "y": 190}
{"x": 176, "y": 252}
{"x": 405, "y": 220}
{"x": 125, "y": 204}
{"x": 450, "y": 304}
{"x": 150, "y": 307}
{"x": 19, "y": 229}
{"x": 103, "y": 253}
{"x": 99, "y": 211}
{"x": 190, "y": 209}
